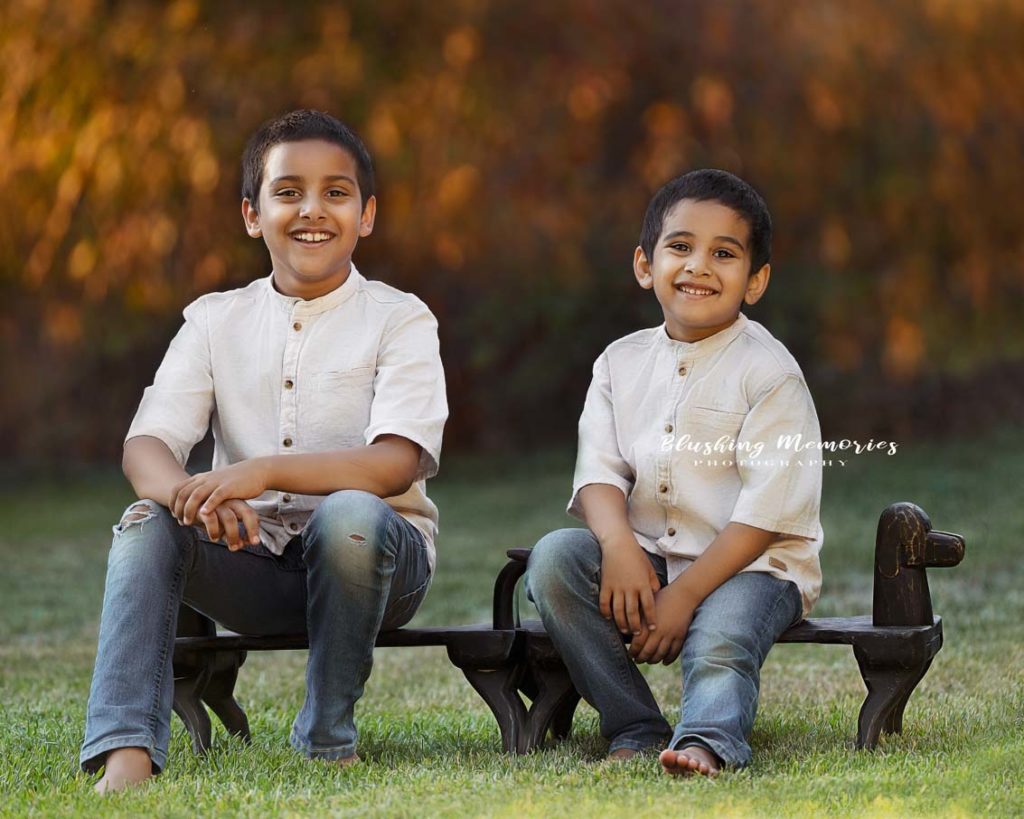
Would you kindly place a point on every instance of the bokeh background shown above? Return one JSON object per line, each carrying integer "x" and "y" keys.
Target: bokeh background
{"x": 517, "y": 144}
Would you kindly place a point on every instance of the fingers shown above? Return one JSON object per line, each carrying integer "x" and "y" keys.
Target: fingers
{"x": 619, "y": 611}
{"x": 673, "y": 652}
{"x": 215, "y": 499}
{"x": 636, "y": 645}
{"x": 229, "y": 519}
{"x": 606, "y": 601}
{"x": 250, "y": 520}
{"x": 650, "y": 615}
{"x": 633, "y": 612}
{"x": 200, "y": 492}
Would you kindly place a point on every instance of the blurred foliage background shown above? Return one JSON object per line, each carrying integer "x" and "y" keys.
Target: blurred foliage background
{"x": 517, "y": 144}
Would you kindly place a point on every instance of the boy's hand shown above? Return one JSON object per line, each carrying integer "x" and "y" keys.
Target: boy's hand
{"x": 228, "y": 521}
{"x": 198, "y": 497}
{"x": 628, "y": 584}
{"x": 663, "y": 643}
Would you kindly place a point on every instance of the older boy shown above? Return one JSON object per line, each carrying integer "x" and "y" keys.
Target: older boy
{"x": 326, "y": 397}
{"x": 703, "y": 533}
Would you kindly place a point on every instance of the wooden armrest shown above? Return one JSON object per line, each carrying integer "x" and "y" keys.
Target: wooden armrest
{"x": 504, "y": 614}
{"x": 905, "y": 546}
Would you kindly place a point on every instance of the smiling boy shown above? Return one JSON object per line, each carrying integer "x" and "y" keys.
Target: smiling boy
{"x": 326, "y": 398}
{"x": 710, "y": 559}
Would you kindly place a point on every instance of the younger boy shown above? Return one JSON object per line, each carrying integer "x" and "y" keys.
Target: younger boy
{"x": 703, "y": 532}
{"x": 326, "y": 397}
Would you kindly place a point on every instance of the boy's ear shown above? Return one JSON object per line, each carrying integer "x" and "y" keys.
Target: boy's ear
{"x": 757, "y": 284}
{"x": 642, "y": 269}
{"x": 369, "y": 214}
{"x": 252, "y": 219}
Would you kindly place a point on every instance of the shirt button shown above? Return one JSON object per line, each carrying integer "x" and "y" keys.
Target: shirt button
{"x": 682, "y": 369}
{"x": 668, "y": 427}
{"x": 671, "y": 533}
{"x": 297, "y": 326}
{"x": 663, "y": 488}
{"x": 287, "y": 442}
{"x": 286, "y": 498}
{"x": 293, "y": 527}
{"x": 288, "y": 384}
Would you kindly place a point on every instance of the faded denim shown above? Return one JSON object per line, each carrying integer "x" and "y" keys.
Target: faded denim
{"x": 358, "y": 567}
{"x": 728, "y": 639}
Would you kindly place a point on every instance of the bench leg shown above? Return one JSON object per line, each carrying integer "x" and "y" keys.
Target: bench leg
{"x": 889, "y": 688}
{"x": 561, "y": 720}
{"x": 188, "y": 689}
{"x": 894, "y": 725}
{"x": 554, "y": 699}
{"x": 500, "y": 690}
{"x": 219, "y": 694}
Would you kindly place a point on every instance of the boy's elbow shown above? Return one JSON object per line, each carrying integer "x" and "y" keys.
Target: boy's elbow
{"x": 402, "y": 468}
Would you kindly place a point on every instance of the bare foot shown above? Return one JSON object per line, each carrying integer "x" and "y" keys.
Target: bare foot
{"x": 693, "y": 759}
{"x": 344, "y": 762}
{"x": 622, "y": 754}
{"x": 124, "y": 768}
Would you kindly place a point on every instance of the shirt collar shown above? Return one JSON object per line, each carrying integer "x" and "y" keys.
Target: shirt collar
{"x": 321, "y": 304}
{"x": 696, "y": 349}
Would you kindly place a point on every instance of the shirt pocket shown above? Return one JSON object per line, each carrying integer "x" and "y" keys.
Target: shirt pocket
{"x": 709, "y": 424}
{"x": 339, "y": 408}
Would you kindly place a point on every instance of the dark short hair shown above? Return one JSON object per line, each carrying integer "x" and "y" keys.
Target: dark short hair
{"x": 295, "y": 127}
{"x": 710, "y": 185}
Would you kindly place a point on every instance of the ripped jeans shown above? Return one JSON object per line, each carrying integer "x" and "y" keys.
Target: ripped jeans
{"x": 357, "y": 568}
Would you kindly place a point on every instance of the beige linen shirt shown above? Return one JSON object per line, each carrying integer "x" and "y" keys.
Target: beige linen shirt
{"x": 676, "y": 426}
{"x": 275, "y": 375}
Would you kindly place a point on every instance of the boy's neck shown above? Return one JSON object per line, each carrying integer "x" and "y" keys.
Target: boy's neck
{"x": 691, "y": 335}
{"x": 307, "y": 291}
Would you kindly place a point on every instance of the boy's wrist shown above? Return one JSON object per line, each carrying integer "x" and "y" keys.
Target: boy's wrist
{"x": 682, "y": 591}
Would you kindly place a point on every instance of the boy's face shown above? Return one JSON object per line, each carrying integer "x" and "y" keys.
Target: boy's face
{"x": 310, "y": 216}
{"x": 700, "y": 272}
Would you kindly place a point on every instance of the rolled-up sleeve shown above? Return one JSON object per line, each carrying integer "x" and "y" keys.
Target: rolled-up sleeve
{"x": 409, "y": 389}
{"x": 781, "y": 487}
{"x": 176, "y": 408}
{"x": 599, "y": 459}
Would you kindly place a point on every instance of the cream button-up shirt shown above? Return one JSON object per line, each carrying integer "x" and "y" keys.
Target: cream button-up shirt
{"x": 275, "y": 375}
{"x": 696, "y": 435}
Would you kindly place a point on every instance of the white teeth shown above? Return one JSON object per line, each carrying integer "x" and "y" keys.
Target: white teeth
{"x": 312, "y": 237}
{"x": 693, "y": 291}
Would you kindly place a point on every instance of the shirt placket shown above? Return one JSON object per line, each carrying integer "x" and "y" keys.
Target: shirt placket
{"x": 287, "y": 433}
{"x": 667, "y": 456}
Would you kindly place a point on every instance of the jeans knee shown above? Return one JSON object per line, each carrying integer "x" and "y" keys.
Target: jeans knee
{"x": 721, "y": 649}
{"x": 147, "y": 531}
{"x": 563, "y": 564}
{"x": 348, "y": 527}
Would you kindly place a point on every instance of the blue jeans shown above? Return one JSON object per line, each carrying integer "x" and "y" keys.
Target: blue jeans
{"x": 358, "y": 567}
{"x": 727, "y": 642}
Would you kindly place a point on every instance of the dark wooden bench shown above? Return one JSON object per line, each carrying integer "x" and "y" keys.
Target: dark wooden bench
{"x": 520, "y": 676}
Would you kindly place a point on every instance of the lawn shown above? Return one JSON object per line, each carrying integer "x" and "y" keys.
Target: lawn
{"x": 430, "y": 745}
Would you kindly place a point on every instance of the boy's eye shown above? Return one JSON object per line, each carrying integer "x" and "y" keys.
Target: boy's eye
{"x": 335, "y": 193}
{"x": 682, "y": 247}
{"x": 287, "y": 192}
{"x": 722, "y": 253}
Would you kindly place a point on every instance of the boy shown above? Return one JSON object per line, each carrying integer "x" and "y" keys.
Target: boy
{"x": 326, "y": 397}
{"x": 703, "y": 532}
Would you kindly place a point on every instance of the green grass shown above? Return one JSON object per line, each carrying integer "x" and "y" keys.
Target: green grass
{"x": 430, "y": 744}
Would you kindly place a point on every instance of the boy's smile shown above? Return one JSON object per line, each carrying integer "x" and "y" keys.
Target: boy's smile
{"x": 700, "y": 273}
{"x": 310, "y": 215}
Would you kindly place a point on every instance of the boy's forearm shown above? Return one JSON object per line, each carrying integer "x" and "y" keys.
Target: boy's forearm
{"x": 151, "y": 468}
{"x": 605, "y": 513}
{"x": 735, "y": 548}
{"x": 385, "y": 468}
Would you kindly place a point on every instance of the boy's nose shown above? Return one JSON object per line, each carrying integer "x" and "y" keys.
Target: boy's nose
{"x": 311, "y": 209}
{"x": 695, "y": 266}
